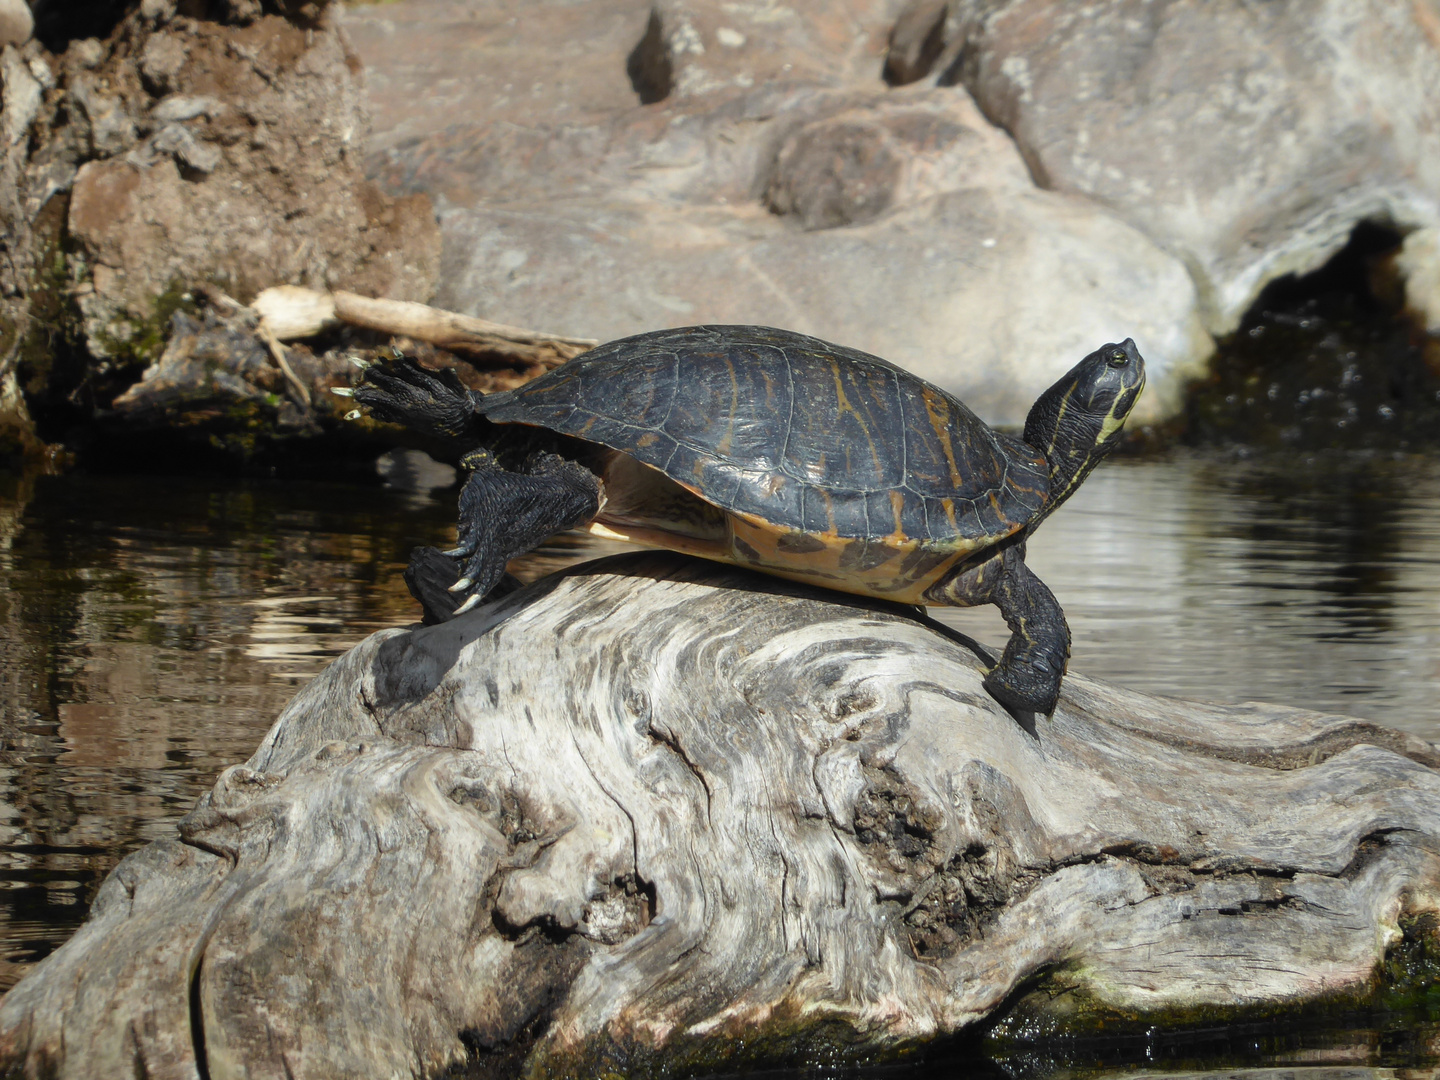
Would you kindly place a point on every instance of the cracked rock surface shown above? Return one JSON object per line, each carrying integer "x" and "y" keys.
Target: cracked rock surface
{"x": 653, "y": 811}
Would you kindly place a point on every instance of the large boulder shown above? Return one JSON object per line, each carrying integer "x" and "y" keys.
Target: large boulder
{"x": 1247, "y": 140}
{"x": 774, "y": 178}
{"x": 660, "y": 817}
{"x": 927, "y": 245}
{"x": 759, "y": 169}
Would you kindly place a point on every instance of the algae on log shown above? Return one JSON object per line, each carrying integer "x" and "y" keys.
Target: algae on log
{"x": 660, "y": 815}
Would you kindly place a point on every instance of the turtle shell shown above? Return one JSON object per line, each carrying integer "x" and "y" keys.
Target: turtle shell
{"x": 793, "y": 433}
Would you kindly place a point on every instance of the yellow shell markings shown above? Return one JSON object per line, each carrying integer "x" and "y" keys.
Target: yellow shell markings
{"x": 723, "y": 447}
{"x": 829, "y": 509}
{"x": 769, "y": 391}
{"x": 940, "y": 421}
{"x": 843, "y": 406}
{"x": 949, "y": 505}
{"x": 897, "y": 504}
{"x": 756, "y": 543}
{"x": 644, "y": 506}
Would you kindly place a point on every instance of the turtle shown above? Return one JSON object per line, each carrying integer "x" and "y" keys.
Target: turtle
{"x": 779, "y": 452}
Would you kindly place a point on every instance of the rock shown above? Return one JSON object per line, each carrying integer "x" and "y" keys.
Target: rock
{"x": 24, "y": 78}
{"x": 897, "y": 221}
{"x": 714, "y": 51}
{"x": 415, "y": 471}
{"x": 1247, "y": 140}
{"x": 161, "y": 61}
{"x": 481, "y": 61}
{"x": 916, "y": 41}
{"x": 16, "y": 22}
{"x": 256, "y": 136}
{"x": 217, "y": 374}
{"x": 22, "y": 94}
{"x": 655, "y": 814}
{"x": 1243, "y": 143}
{"x": 169, "y": 151}
{"x": 918, "y": 288}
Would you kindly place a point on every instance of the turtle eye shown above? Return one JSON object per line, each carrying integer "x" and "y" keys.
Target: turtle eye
{"x": 1117, "y": 358}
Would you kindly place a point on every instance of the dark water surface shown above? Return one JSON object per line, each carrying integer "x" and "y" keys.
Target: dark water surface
{"x": 154, "y": 627}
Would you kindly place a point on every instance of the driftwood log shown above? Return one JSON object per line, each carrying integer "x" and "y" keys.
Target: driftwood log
{"x": 657, "y": 815}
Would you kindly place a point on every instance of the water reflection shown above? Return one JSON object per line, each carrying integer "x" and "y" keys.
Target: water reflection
{"x": 154, "y": 627}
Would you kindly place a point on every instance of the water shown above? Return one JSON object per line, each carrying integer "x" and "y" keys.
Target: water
{"x": 1309, "y": 580}
{"x": 154, "y": 627}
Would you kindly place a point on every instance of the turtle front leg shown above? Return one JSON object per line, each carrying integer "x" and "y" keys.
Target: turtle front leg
{"x": 1028, "y": 675}
{"x": 1027, "y": 678}
{"x": 503, "y": 514}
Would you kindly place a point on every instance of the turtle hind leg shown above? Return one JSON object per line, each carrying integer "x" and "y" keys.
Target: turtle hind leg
{"x": 503, "y": 514}
{"x": 434, "y": 403}
{"x": 1029, "y": 674}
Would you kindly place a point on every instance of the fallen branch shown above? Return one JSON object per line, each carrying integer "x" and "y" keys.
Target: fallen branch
{"x": 290, "y": 312}
{"x": 277, "y": 351}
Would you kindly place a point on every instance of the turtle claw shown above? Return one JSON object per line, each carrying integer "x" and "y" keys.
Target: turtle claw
{"x": 459, "y": 552}
{"x": 468, "y": 604}
{"x": 358, "y": 362}
{"x": 343, "y": 391}
{"x": 463, "y": 584}
{"x": 354, "y": 414}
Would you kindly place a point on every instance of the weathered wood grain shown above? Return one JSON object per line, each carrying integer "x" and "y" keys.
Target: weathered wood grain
{"x": 655, "y": 812}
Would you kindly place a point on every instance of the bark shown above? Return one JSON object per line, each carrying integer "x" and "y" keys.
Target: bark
{"x": 654, "y": 814}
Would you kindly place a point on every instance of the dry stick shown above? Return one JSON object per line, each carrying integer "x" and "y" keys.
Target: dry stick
{"x": 221, "y": 299}
{"x": 456, "y": 332}
{"x": 278, "y": 352}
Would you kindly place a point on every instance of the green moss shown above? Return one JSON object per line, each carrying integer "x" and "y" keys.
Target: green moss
{"x": 147, "y": 336}
{"x": 1056, "y": 1005}
{"x": 54, "y": 319}
{"x": 1409, "y": 977}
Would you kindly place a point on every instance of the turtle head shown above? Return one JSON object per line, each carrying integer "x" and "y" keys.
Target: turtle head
{"x": 1078, "y": 420}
